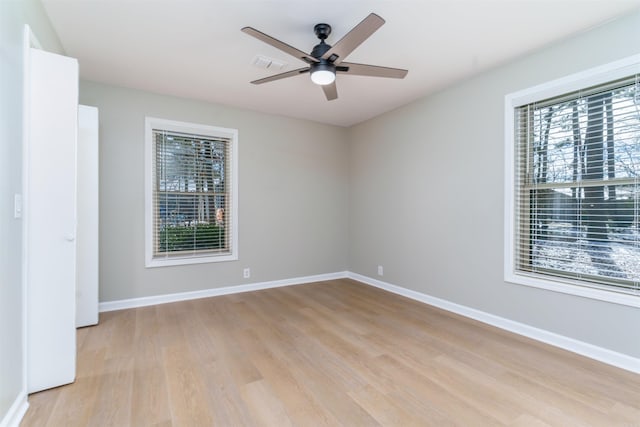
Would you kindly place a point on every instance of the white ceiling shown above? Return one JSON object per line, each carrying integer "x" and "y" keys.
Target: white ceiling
{"x": 194, "y": 48}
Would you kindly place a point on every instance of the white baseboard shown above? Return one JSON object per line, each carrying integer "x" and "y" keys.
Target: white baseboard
{"x": 585, "y": 349}
{"x": 205, "y": 293}
{"x": 15, "y": 414}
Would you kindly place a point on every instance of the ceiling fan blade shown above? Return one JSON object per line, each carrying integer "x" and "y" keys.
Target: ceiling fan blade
{"x": 279, "y": 45}
{"x": 281, "y": 76}
{"x": 370, "y": 70}
{"x": 354, "y": 38}
{"x": 330, "y": 91}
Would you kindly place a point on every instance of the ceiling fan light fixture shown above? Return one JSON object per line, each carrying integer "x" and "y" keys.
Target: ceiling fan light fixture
{"x": 323, "y": 74}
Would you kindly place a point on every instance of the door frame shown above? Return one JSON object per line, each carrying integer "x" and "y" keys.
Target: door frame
{"x": 29, "y": 41}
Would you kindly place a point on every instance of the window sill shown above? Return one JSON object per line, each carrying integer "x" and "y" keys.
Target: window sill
{"x": 171, "y": 261}
{"x": 631, "y": 298}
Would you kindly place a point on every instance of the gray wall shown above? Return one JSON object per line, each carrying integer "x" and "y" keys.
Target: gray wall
{"x": 13, "y": 16}
{"x": 292, "y": 195}
{"x": 426, "y": 195}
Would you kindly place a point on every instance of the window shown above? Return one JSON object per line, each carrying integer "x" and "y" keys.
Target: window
{"x": 573, "y": 184}
{"x": 191, "y": 193}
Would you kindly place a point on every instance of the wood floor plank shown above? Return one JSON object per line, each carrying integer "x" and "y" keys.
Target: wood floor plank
{"x": 149, "y": 397}
{"x": 384, "y": 409}
{"x": 267, "y": 410}
{"x": 326, "y": 354}
{"x": 187, "y": 393}
{"x": 432, "y": 386}
{"x": 114, "y": 394}
{"x": 223, "y": 395}
{"x": 302, "y": 407}
{"x": 77, "y": 403}
{"x": 41, "y": 408}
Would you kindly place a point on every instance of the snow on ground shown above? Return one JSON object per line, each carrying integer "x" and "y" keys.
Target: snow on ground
{"x": 566, "y": 249}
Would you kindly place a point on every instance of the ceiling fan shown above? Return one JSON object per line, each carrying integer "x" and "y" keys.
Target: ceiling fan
{"x": 326, "y": 60}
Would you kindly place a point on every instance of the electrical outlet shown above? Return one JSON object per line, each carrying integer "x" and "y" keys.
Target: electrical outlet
{"x": 380, "y": 271}
{"x": 246, "y": 273}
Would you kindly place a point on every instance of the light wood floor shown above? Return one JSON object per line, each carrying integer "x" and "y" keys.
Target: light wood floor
{"x": 330, "y": 353}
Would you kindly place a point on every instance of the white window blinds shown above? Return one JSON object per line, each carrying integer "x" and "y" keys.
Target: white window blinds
{"x": 577, "y": 192}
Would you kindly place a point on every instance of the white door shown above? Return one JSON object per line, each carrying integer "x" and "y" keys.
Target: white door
{"x": 50, "y": 220}
{"x": 87, "y": 242}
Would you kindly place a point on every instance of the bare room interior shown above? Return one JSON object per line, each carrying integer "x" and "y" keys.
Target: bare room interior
{"x": 304, "y": 212}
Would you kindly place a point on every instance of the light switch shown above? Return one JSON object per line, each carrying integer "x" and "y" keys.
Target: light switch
{"x": 17, "y": 206}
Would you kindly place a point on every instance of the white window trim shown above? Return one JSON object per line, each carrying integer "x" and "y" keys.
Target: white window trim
{"x": 198, "y": 129}
{"x": 594, "y": 76}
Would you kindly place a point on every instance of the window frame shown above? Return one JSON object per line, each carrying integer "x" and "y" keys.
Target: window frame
{"x": 152, "y": 123}
{"x": 585, "y": 79}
